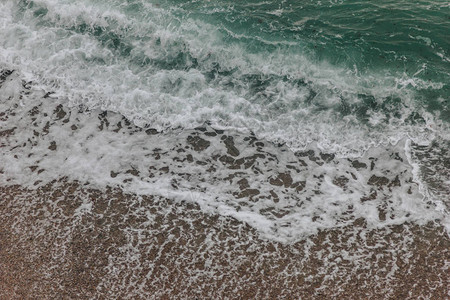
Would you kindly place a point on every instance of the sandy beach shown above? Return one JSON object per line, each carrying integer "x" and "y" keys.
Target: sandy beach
{"x": 117, "y": 251}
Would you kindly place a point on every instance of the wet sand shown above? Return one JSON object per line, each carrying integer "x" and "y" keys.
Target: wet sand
{"x": 68, "y": 240}
{"x": 132, "y": 247}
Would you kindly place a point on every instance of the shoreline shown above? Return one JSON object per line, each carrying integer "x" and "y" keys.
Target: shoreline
{"x": 285, "y": 195}
{"x": 96, "y": 207}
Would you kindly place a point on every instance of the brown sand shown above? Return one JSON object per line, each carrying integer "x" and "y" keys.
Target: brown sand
{"x": 153, "y": 248}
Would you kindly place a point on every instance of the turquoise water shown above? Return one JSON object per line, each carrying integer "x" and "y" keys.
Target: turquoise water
{"x": 377, "y": 44}
{"x": 394, "y": 53}
{"x": 345, "y": 74}
{"x": 395, "y": 38}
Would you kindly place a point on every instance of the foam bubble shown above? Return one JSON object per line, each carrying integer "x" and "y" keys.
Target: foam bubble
{"x": 285, "y": 195}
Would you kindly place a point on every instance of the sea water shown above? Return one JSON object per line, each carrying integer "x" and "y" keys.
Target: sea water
{"x": 349, "y": 100}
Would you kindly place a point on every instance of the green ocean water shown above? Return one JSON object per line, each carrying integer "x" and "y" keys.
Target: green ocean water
{"x": 284, "y": 69}
{"x": 408, "y": 39}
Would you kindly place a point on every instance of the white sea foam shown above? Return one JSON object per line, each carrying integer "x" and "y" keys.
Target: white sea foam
{"x": 87, "y": 70}
{"x": 282, "y": 97}
{"x": 284, "y": 195}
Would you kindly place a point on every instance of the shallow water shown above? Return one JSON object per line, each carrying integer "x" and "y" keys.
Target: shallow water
{"x": 285, "y": 195}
